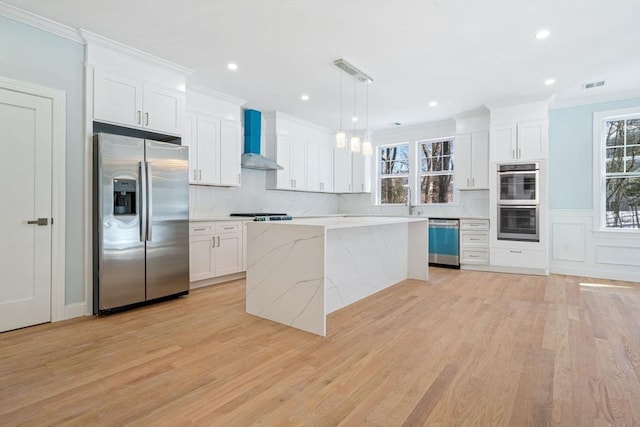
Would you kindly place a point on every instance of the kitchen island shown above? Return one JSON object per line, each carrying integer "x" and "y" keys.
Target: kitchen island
{"x": 300, "y": 271}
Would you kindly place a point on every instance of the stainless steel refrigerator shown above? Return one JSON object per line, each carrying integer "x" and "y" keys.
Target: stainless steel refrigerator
{"x": 141, "y": 221}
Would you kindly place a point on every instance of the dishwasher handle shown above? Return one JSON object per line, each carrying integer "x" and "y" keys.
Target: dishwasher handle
{"x": 448, "y": 223}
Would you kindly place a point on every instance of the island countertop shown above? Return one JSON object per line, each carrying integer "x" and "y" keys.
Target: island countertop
{"x": 346, "y": 221}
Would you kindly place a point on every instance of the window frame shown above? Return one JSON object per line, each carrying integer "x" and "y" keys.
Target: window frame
{"x": 599, "y": 167}
{"x": 420, "y": 174}
{"x": 379, "y": 175}
{"x": 415, "y": 173}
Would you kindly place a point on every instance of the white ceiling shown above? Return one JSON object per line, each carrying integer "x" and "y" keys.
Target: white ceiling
{"x": 463, "y": 54}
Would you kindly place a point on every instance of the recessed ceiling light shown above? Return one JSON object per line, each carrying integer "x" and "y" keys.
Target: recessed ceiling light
{"x": 433, "y": 104}
{"x": 304, "y": 97}
{"x": 232, "y": 66}
{"x": 542, "y": 34}
{"x": 549, "y": 82}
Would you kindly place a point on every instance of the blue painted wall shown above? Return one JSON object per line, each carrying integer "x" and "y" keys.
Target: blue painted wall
{"x": 571, "y": 153}
{"x": 35, "y": 56}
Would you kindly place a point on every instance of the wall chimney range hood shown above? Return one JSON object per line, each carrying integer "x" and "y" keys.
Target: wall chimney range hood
{"x": 252, "y": 159}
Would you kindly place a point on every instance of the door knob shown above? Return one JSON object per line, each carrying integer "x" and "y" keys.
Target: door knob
{"x": 39, "y": 221}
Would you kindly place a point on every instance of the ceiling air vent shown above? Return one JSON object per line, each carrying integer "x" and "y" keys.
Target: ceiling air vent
{"x": 592, "y": 85}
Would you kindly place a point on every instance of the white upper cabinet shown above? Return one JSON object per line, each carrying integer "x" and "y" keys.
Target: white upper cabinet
{"x": 214, "y": 150}
{"x": 319, "y": 168}
{"x": 130, "y": 102}
{"x": 291, "y": 154}
{"x": 360, "y": 173}
{"x": 526, "y": 140}
{"x": 342, "y": 171}
{"x": 472, "y": 161}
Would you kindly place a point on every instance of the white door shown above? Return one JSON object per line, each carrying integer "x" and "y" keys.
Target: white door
{"x": 463, "y": 153}
{"x": 230, "y": 151}
{"x": 208, "y": 136}
{"x": 25, "y": 173}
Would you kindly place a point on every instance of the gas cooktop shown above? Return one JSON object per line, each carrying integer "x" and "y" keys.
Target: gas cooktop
{"x": 265, "y": 216}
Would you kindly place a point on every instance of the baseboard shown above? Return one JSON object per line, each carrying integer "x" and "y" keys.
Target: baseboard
{"x": 216, "y": 280}
{"x": 595, "y": 273}
{"x": 77, "y": 309}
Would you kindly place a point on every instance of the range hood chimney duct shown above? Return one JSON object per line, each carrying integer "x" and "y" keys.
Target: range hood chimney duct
{"x": 252, "y": 159}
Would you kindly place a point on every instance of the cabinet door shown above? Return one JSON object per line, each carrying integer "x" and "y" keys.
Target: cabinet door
{"x": 463, "y": 160}
{"x": 503, "y": 142}
{"x": 230, "y": 153}
{"x": 208, "y": 137}
{"x": 201, "y": 257}
{"x": 479, "y": 160}
{"x": 325, "y": 167}
{"x": 313, "y": 168}
{"x": 357, "y": 173}
{"x": 341, "y": 171}
{"x": 189, "y": 140}
{"x": 163, "y": 109}
{"x": 532, "y": 140}
{"x": 117, "y": 99}
{"x": 298, "y": 164}
{"x": 283, "y": 157}
{"x": 229, "y": 254}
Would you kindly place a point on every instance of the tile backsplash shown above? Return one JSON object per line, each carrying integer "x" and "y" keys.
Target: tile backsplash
{"x": 209, "y": 202}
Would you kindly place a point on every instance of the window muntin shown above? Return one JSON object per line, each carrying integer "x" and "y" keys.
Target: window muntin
{"x": 436, "y": 171}
{"x": 621, "y": 154}
{"x": 394, "y": 173}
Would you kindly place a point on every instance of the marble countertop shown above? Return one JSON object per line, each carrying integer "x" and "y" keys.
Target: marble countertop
{"x": 347, "y": 221}
{"x": 332, "y": 216}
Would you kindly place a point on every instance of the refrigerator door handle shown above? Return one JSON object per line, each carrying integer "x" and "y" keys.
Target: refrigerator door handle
{"x": 149, "y": 201}
{"x": 142, "y": 177}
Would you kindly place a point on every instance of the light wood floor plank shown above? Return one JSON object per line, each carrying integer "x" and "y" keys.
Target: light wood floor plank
{"x": 465, "y": 348}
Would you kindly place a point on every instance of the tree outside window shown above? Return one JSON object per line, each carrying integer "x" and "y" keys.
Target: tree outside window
{"x": 394, "y": 173}
{"x": 436, "y": 171}
{"x": 622, "y": 172}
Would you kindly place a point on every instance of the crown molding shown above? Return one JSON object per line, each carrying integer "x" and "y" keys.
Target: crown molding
{"x": 40, "y": 22}
{"x": 92, "y": 38}
{"x": 214, "y": 93}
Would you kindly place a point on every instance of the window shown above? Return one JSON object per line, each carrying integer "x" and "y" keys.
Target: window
{"x": 394, "y": 173}
{"x": 436, "y": 171}
{"x": 423, "y": 169}
{"x": 620, "y": 166}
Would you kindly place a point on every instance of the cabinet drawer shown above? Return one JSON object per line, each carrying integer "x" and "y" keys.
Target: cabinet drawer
{"x": 201, "y": 228}
{"x": 475, "y": 238}
{"x": 519, "y": 258}
{"x": 474, "y": 224}
{"x": 228, "y": 227}
{"x": 475, "y": 256}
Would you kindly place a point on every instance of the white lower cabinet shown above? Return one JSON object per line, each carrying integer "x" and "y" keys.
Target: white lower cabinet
{"x": 215, "y": 249}
{"x": 474, "y": 241}
{"x": 524, "y": 258}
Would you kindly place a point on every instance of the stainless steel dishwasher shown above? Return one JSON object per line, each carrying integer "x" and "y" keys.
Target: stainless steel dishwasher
{"x": 444, "y": 242}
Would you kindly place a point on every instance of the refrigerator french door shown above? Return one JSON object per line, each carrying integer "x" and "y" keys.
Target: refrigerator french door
{"x": 141, "y": 228}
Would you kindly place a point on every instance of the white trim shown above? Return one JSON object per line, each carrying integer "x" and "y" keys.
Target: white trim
{"x": 88, "y": 188}
{"x": 58, "y": 169}
{"x": 40, "y": 22}
{"x": 74, "y": 310}
{"x": 595, "y": 273}
{"x": 598, "y": 165}
{"x": 214, "y": 93}
{"x": 93, "y": 38}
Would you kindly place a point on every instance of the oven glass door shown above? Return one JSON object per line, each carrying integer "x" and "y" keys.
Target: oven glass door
{"x": 518, "y": 187}
{"x": 518, "y": 223}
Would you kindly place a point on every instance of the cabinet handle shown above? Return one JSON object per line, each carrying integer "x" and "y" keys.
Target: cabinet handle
{"x": 362, "y": 187}
{"x": 519, "y": 153}
{"x": 238, "y": 178}
{"x": 199, "y": 229}
{"x": 213, "y": 242}
{"x": 195, "y": 175}
{"x": 146, "y": 116}
{"x": 473, "y": 256}
{"x": 474, "y": 239}
{"x": 515, "y": 252}
{"x": 199, "y": 174}
{"x": 473, "y": 182}
{"x": 139, "y": 117}
{"x": 218, "y": 241}
{"x": 229, "y": 227}
{"x": 513, "y": 154}
{"x": 467, "y": 182}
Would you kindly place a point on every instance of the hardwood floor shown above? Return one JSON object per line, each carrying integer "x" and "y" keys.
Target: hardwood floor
{"x": 465, "y": 348}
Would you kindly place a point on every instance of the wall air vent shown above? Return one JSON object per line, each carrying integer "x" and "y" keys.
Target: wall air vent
{"x": 592, "y": 85}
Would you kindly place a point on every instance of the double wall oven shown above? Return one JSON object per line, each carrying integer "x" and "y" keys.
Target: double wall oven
{"x": 519, "y": 202}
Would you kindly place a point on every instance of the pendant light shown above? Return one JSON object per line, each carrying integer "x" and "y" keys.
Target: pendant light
{"x": 341, "y": 137}
{"x": 367, "y": 148}
{"x": 355, "y": 141}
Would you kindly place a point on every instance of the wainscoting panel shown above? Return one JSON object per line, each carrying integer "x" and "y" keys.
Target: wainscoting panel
{"x": 568, "y": 241}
